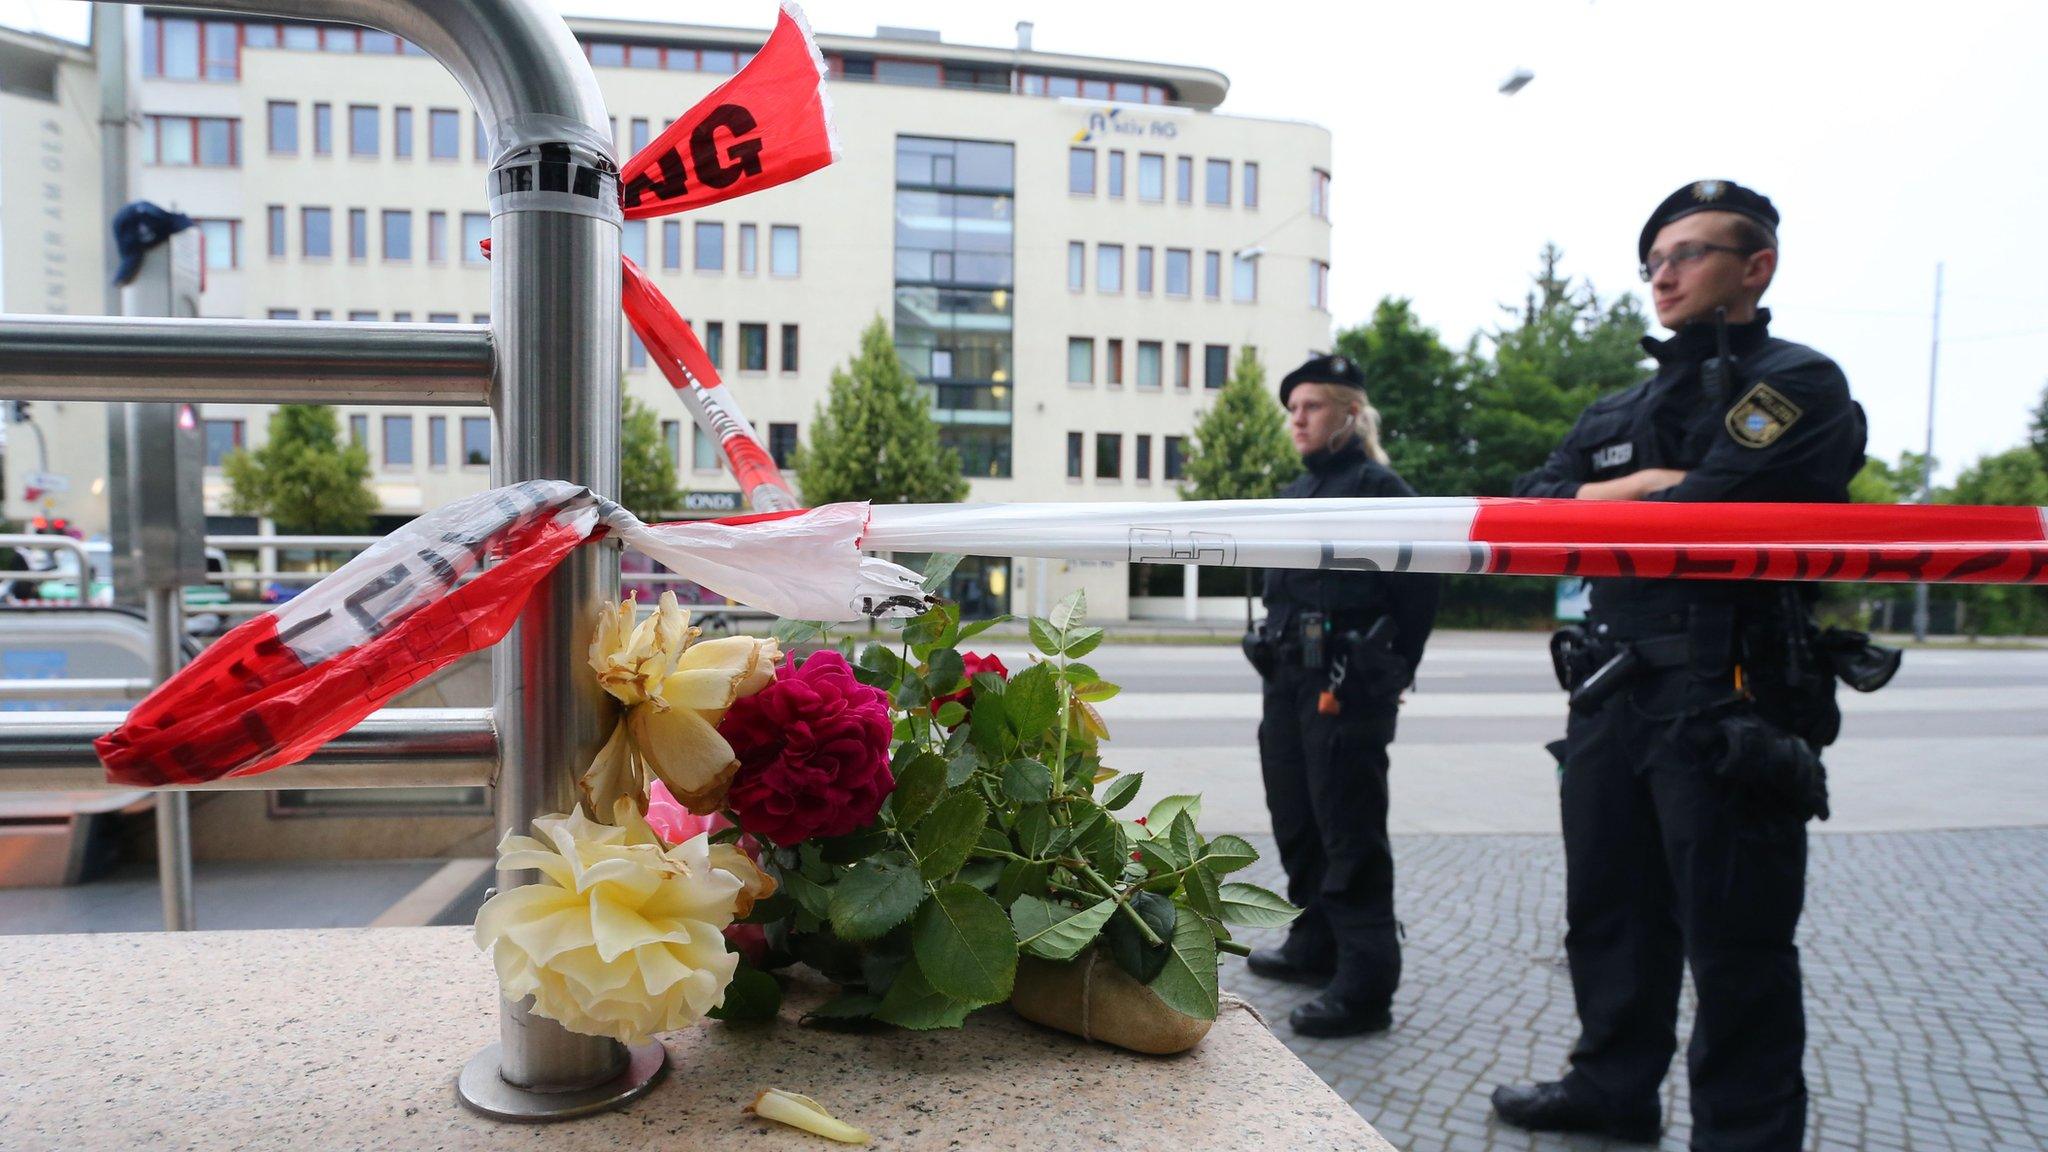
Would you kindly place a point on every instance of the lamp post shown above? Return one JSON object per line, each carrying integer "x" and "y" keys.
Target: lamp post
{"x": 1927, "y": 467}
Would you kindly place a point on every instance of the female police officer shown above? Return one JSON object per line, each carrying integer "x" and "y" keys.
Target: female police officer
{"x": 1336, "y": 650}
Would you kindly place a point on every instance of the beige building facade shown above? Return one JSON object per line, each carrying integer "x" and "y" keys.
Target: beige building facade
{"x": 1071, "y": 252}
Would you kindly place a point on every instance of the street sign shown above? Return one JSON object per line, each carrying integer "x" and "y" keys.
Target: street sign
{"x": 47, "y": 481}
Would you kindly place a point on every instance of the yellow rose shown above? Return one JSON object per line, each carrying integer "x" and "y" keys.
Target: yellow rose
{"x": 623, "y": 936}
{"x": 675, "y": 694}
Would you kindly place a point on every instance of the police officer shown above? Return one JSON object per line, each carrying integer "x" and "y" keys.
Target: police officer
{"x": 1336, "y": 650}
{"x": 1689, "y": 767}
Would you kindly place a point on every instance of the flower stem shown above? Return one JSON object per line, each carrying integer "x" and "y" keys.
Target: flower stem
{"x": 1145, "y": 931}
{"x": 1233, "y": 947}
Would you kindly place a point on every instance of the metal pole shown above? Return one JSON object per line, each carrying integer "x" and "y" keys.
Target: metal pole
{"x": 110, "y": 60}
{"x": 173, "y": 809}
{"x": 1927, "y": 477}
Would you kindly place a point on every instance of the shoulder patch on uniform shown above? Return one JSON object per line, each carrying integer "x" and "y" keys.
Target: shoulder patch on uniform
{"x": 1761, "y": 416}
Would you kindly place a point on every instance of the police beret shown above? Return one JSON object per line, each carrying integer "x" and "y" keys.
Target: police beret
{"x": 1338, "y": 370}
{"x": 1707, "y": 196}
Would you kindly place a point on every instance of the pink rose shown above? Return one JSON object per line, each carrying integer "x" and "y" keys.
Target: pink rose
{"x": 813, "y": 748}
{"x": 976, "y": 664}
{"x": 673, "y": 822}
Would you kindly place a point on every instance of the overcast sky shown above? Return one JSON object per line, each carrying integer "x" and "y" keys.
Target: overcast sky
{"x": 1890, "y": 137}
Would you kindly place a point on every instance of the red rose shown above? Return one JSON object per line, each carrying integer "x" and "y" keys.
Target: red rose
{"x": 975, "y": 666}
{"x": 749, "y": 940}
{"x": 813, "y": 748}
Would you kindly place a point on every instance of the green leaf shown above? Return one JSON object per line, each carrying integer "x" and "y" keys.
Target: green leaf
{"x": 882, "y": 659}
{"x": 1055, "y": 931}
{"x": 939, "y": 569}
{"x": 1020, "y": 878}
{"x": 809, "y": 895}
{"x": 919, "y": 785}
{"x": 1070, "y": 611}
{"x": 982, "y": 874}
{"x": 945, "y": 672}
{"x": 1187, "y": 983}
{"x": 911, "y": 694}
{"x": 877, "y": 895}
{"x": 795, "y": 633}
{"x": 951, "y": 713}
{"x": 1027, "y": 782}
{"x": 1032, "y": 701}
{"x": 964, "y": 945}
{"x": 913, "y": 1003}
{"x": 1162, "y": 813}
{"x": 1160, "y": 855}
{"x": 945, "y": 837}
{"x": 1122, "y": 791}
{"x": 1082, "y": 641}
{"x": 1187, "y": 843}
{"x": 1079, "y": 674}
{"x": 987, "y": 726}
{"x": 1097, "y": 692}
{"x": 1251, "y": 906}
{"x": 962, "y": 767}
{"x": 970, "y": 631}
{"x": 1202, "y": 893}
{"x": 1103, "y": 843}
{"x": 1042, "y": 637}
{"x": 1227, "y": 853}
{"x": 1034, "y": 830}
{"x": 1127, "y": 945}
{"x": 854, "y": 846}
{"x": 846, "y": 1007}
{"x": 752, "y": 995}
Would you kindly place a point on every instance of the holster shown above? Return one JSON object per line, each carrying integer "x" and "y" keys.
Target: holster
{"x": 1373, "y": 668}
{"x": 1789, "y": 675}
{"x": 1750, "y": 751}
{"x": 1259, "y": 651}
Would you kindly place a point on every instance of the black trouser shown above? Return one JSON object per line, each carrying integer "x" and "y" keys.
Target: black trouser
{"x": 1667, "y": 865}
{"x": 1326, "y": 787}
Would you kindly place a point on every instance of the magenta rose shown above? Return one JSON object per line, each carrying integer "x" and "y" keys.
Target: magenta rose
{"x": 813, "y": 748}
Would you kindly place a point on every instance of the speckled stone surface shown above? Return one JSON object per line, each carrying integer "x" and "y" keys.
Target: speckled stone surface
{"x": 352, "y": 1038}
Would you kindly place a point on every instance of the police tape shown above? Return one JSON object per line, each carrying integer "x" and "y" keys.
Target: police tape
{"x": 281, "y": 684}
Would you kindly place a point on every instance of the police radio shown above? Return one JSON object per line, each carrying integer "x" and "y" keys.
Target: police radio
{"x": 1717, "y": 376}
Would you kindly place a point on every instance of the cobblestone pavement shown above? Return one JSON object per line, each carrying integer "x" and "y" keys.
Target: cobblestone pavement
{"x": 1926, "y": 965}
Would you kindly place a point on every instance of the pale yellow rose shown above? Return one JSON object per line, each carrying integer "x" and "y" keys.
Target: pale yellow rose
{"x": 623, "y": 937}
{"x": 675, "y": 694}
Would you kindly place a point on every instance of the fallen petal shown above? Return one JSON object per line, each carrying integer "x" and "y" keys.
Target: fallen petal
{"x": 805, "y": 1113}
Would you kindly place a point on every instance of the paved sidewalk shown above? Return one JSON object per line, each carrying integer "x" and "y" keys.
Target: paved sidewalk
{"x": 1927, "y": 994}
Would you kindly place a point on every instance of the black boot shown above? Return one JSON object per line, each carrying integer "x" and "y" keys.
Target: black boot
{"x": 1553, "y": 1107}
{"x": 1276, "y": 964}
{"x": 1339, "y": 1013}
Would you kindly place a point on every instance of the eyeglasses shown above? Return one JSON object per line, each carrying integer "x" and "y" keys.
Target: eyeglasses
{"x": 1687, "y": 254}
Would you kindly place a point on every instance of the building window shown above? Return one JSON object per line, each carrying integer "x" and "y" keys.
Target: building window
{"x": 672, "y": 443}
{"x": 672, "y": 244}
{"x": 437, "y": 237}
{"x": 1176, "y": 458}
{"x": 443, "y": 318}
{"x": 362, "y": 316}
{"x": 636, "y": 352}
{"x": 322, "y": 315}
{"x": 1142, "y": 458}
{"x": 1244, "y": 279}
{"x": 401, "y": 317}
{"x": 274, "y": 216}
{"x": 633, "y": 242}
{"x": 170, "y": 48}
{"x": 1080, "y": 360}
{"x": 785, "y": 250}
{"x": 1183, "y": 366}
{"x": 1215, "y": 365}
{"x": 1212, "y": 275}
{"x": 401, "y": 132}
{"x": 1113, "y": 363}
{"x": 1184, "y": 179}
{"x": 1074, "y": 449}
{"x": 1109, "y": 268}
{"x": 640, "y": 133}
{"x": 1319, "y": 194}
{"x": 222, "y": 437}
{"x": 710, "y": 247}
{"x": 1251, "y": 184}
{"x": 1077, "y": 265}
{"x": 1216, "y": 183}
{"x": 323, "y": 130}
{"x": 191, "y": 141}
{"x": 749, "y": 255}
{"x": 437, "y": 441}
{"x": 1145, "y": 270}
{"x": 1109, "y": 456}
{"x": 704, "y": 455}
{"x": 753, "y": 347}
{"x": 362, "y": 129}
{"x": 789, "y": 342}
{"x": 714, "y": 342}
{"x": 284, "y": 127}
{"x": 284, "y": 314}
{"x": 338, "y": 39}
{"x": 1081, "y": 171}
{"x": 316, "y": 233}
{"x": 358, "y": 234}
{"x": 359, "y": 430}
{"x": 1179, "y": 269}
{"x": 397, "y": 234}
{"x": 782, "y": 444}
{"x": 1319, "y": 285}
{"x": 476, "y": 440}
{"x": 1151, "y": 177}
{"x": 1148, "y": 365}
{"x": 1116, "y": 173}
{"x": 476, "y": 228}
{"x": 444, "y": 134}
{"x": 398, "y": 441}
{"x": 222, "y": 242}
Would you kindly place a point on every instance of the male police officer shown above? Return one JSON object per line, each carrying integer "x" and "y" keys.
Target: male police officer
{"x": 1689, "y": 766}
{"x": 1337, "y": 649}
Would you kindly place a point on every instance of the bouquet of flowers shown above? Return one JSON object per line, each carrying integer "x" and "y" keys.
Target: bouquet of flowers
{"x": 912, "y": 823}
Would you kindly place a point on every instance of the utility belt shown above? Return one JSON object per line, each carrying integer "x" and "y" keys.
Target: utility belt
{"x": 1354, "y": 651}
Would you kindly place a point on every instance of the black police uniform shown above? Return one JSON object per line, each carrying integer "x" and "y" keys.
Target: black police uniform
{"x": 1326, "y": 775}
{"x": 1669, "y": 859}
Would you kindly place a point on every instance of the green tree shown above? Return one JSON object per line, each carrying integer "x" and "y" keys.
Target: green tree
{"x": 1882, "y": 483}
{"x": 1240, "y": 449}
{"x": 874, "y": 438}
{"x": 2013, "y": 477}
{"x": 647, "y": 472}
{"x": 1421, "y": 388}
{"x": 2037, "y": 428}
{"x": 303, "y": 478}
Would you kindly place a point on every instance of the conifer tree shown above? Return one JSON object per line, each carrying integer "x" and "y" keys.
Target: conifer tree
{"x": 303, "y": 478}
{"x": 874, "y": 437}
{"x": 1240, "y": 449}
